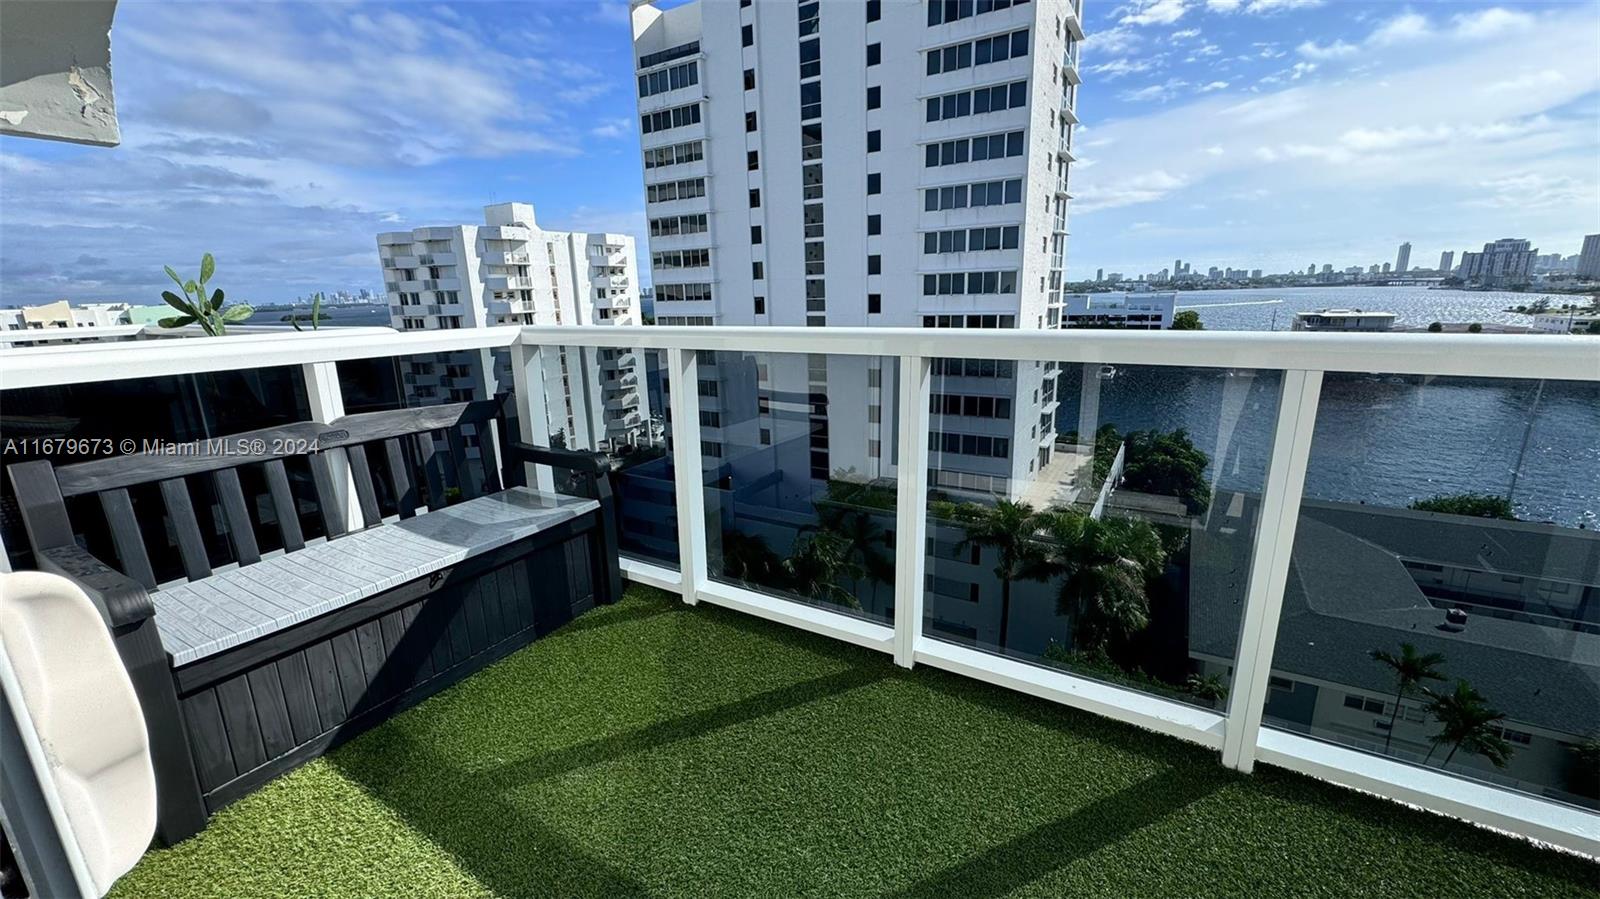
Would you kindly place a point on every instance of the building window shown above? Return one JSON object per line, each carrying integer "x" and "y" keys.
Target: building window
{"x": 874, "y": 224}
{"x": 747, "y": 36}
{"x": 874, "y": 54}
{"x": 874, "y": 264}
{"x": 750, "y": 121}
{"x": 757, "y": 270}
{"x": 755, "y": 197}
{"x": 761, "y": 305}
{"x": 749, "y": 79}
{"x": 755, "y": 234}
{"x": 874, "y": 141}
{"x": 874, "y": 307}
{"x": 752, "y": 159}
{"x": 874, "y": 97}
{"x": 874, "y": 10}
{"x": 874, "y": 183}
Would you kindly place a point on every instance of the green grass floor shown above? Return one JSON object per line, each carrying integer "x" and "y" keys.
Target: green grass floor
{"x": 654, "y": 749}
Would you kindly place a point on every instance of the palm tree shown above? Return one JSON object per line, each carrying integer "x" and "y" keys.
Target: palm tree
{"x": 1209, "y": 688}
{"x": 1010, "y": 529}
{"x": 1410, "y": 670}
{"x": 748, "y": 558}
{"x": 1468, "y": 721}
{"x": 865, "y": 541}
{"x": 1106, "y": 563}
{"x": 815, "y": 565}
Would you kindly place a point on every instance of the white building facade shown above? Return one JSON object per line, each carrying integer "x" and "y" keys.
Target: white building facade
{"x": 889, "y": 163}
{"x": 511, "y": 271}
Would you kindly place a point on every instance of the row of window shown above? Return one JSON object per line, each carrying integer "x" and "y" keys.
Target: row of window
{"x": 983, "y": 193}
{"x": 980, "y": 52}
{"x": 975, "y": 368}
{"x": 669, "y": 79}
{"x": 676, "y": 117}
{"x": 975, "y": 445}
{"x": 681, "y": 259}
{"x": 669, "y": 54}
{"x": 683, "y": 293}
{"x": 972, "y": 240}
{"x": 969, "y": 321}
{"x": 668, "y": 226}
{"x": 995, "y": 98}
{"x": 970, "y": 406}
{"x": 944, "y": 11}
{"x": 962, "y": 283}
{"x": 973, "y": 149}
{"x": 674, "y": 154}
{"x": 687, "y": 189}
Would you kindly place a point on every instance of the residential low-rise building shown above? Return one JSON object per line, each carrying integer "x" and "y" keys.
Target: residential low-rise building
{"x": 1343, "y": 320}
{"x": 1138, "y": 311}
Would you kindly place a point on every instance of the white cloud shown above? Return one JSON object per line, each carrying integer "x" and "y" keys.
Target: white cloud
{"x": 1222, "y": 5}
{"x": 1336, "y": 50}
{"x": 1213, "y": 86}
{"x": 1492, "y": 22}
{"x": 1155, "y": 12}
{"x": 1154, "y": 92}
{"x": 1112, "y": 41}
{"x": 1259, "y": 7}
{"x": 1401, "y": 29}
{"x": 1184, "y": 34}
{"x": 1117, "y": 68}
{"x": 1143, "y": 187}
{"x": 1543, "y": 78}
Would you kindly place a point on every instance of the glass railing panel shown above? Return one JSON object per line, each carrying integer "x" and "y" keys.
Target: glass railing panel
{"x": 612, "y": 399}
{"x": 1443, "y": 600}
{"x": 1097, "y": 519}
{"x": 798, "y": 457}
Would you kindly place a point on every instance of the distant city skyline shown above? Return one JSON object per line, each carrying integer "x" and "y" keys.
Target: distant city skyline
{"x": 1246, "y": 134}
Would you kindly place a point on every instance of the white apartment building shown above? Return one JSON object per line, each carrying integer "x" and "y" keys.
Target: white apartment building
{"x": 510, "y": 271}
{"x": 1343, "y": 320}
{"x": 62, "y": 322}
{"x": 899, "y": 163}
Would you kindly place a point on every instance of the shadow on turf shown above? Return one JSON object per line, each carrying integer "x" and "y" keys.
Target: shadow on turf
{"x": 465, "y": 811}
{"x": 1055, "y": 845}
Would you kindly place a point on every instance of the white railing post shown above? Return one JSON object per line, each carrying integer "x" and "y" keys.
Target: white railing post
{"x": 911, "y": 525}
{"x": 527, "y": 379}
{"x": 326, "y": 399}
{"x": 683, "y": 397}
{"x": 1269, "y": 564}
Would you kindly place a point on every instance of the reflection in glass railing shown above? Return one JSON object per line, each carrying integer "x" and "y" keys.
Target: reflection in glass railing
{"x": 799, "y": 453}
{"x": 1443, "y": 601}
{"x": 1097, "y": 519}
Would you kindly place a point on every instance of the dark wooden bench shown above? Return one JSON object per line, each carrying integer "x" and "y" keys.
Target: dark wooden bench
{"x": 249, "y": 668}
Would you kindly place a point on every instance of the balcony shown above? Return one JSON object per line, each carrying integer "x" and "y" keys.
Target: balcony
{"x": 498, "y": 258}
{"x": 767, "y": 700}
{"x": 508, "y": 282}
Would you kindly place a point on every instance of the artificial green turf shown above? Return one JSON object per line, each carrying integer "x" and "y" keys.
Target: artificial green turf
{"x": 651, "y": 748}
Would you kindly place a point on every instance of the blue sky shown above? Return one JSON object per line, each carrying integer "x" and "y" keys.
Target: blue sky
{"x": 1252, "y": 133}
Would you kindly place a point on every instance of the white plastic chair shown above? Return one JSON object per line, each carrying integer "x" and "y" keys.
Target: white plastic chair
{"x": 80, "y": 727}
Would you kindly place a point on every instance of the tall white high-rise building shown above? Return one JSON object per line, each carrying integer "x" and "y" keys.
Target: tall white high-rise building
{"x": 1589, "y": 257}
{"x": 1506, "y": 262}
{"x": 1402, "y": 259}
{"x": 510, "y": 271}
{"x": 1447, "y": 261}
{"x": 880, "y": 163}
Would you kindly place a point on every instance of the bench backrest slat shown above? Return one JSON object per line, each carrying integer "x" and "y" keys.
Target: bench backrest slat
{"x": 283, "y": 506}
{"x": 125, "y": 536}
{"x": 325, "y": 477}
{"x": 458, "y": 456}
{"x": 366, "y": 489}
{"x": 191, "y": 546}
{"x": 240, "y": 531}
{"x": 431, "y": 469}
{"x": 405, "y": 493}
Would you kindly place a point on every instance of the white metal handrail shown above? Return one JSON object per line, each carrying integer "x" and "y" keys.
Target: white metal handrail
{"x": 1554, "y": 356}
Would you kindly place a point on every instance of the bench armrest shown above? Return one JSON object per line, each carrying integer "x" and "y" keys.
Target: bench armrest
{"x": 121, "y": 599}
{"x": 581, "y": 461}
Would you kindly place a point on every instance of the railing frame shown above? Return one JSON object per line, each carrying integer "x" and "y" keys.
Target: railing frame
{"x": 1237, "y": 735}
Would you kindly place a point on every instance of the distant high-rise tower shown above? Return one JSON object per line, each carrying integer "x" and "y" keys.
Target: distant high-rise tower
{"x": 1099, "y": 274}
{"x": 1403, "y": 260}
{"x": 1589, "y": 257}
{"x": 1503, "y": 263}
{"x": 1447, "y": 261}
